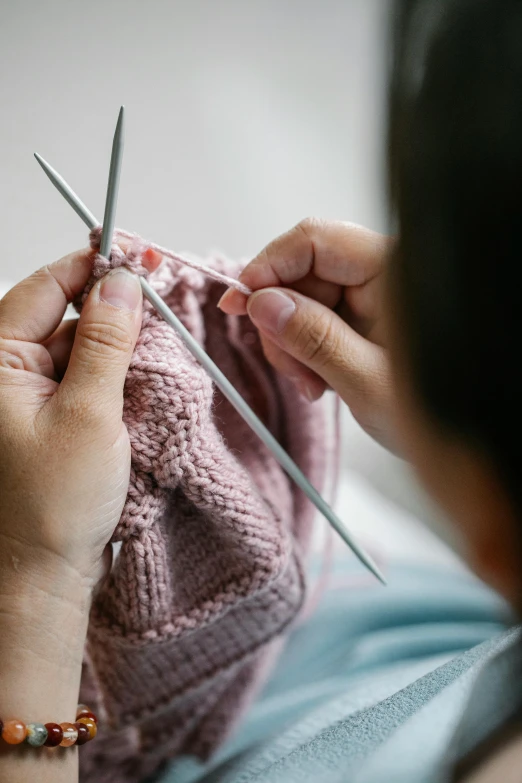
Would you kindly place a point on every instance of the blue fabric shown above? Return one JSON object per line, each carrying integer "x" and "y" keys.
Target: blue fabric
{"x": 371, "y": 688}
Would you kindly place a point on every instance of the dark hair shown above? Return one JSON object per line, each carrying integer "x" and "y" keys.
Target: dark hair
{"x": 456, "y": 183}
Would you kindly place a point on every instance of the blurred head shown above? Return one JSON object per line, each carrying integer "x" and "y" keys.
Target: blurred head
{"x": 456, "y": 278}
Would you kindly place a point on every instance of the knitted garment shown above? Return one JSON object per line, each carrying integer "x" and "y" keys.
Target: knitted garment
{"x": 214, "y": 534}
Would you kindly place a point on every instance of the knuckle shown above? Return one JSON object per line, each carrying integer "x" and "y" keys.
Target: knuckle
{"x": 310, "y": 226}
{"x": 103, "y": 340}
{"x": 264, "y": 257}
{"x": 317, "y": 341}
{"x": 10, "y": 361}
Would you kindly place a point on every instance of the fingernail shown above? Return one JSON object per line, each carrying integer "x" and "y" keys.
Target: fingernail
{"x": 224, "y": 298}
{"x": 306, "y": 392}
{"x": 121, "y": 288}
{"x": 271, "y": 310}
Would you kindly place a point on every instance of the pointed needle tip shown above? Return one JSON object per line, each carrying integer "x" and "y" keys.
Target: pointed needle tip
{"x": 378, "y": 573}
{"x": 375, "y": 570}
{"x": 371, "y": 566}
{"x": 43, "y": 164}
{"x": 120, "y": 125}
{"x": 363, "y": 557}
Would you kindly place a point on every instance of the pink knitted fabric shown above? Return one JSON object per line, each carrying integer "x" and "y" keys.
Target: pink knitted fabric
{"x": 214, "y": 535}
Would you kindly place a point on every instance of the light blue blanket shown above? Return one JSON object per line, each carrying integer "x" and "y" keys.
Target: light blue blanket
{"x": 374, "y": 686}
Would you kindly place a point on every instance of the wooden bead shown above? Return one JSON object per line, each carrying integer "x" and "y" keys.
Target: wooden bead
{"x": 91, "y": 725}
{"x": 14, "y": 732}
{"x": 70, "y": 735}
{"x": 36, "y": 734}
{"x": 54, "y": 735}
{"x": 84, "y": 734}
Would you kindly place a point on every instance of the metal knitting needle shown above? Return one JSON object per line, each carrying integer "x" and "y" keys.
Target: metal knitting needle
{"x": 225, "y": 386}
{"x": 113, "y": 184}
{"x": 68, "y": 194}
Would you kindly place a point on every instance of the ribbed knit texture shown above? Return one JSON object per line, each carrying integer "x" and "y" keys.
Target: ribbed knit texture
{"x": 213, "y": 533}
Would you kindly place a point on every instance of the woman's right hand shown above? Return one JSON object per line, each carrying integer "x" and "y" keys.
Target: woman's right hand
{"x": 317, "y": 302}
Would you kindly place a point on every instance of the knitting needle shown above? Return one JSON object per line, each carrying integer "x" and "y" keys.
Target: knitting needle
{"x": 68, "y": 194}
{"x": 112, "y": 187}
{"x": 224, "y": 385}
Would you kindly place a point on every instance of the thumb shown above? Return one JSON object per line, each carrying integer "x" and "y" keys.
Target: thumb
{"x": 106, "y": 334}
{"x": 319, "y": 339}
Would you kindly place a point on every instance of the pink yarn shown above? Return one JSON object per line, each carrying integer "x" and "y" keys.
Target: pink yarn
{"x": 132, "y": 259}
{"x": 214, "y": 534}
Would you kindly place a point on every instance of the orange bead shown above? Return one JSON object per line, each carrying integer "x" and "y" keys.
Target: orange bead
{"x": 91, "y": 725}
{"x": 14, "y": 732}
{"x": 70, "y": 734}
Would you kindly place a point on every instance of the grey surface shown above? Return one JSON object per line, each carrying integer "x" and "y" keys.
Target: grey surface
{"x": 243, "y": 116}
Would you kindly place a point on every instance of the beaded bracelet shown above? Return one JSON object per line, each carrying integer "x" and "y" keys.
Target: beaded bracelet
{"x": 14, "y": 732}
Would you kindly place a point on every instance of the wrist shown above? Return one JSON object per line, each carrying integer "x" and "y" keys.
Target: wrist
{"x": 38, "y": 626}
{"x": 44, "y": 606}
{"x": 44, "y": 615}
{"x": 28, "y": 571}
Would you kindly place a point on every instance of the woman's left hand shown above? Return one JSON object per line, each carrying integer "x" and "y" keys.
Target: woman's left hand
{"x": 64, "y": 450}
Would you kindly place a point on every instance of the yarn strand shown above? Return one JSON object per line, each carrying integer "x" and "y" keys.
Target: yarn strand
{"x": 231, "y": 282}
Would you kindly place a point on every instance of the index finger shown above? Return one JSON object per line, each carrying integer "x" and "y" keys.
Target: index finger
{"x": 341, "y": 253}
{"x": 32, "y": 310}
